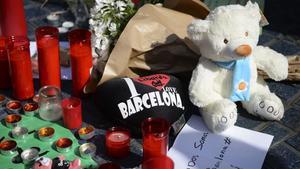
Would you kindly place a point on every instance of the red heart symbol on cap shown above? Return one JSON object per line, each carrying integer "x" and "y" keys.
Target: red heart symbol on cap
{"x": 157, "y": 81}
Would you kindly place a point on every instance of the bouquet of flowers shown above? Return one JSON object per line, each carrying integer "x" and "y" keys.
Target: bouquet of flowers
{"x": 108, "y": 19}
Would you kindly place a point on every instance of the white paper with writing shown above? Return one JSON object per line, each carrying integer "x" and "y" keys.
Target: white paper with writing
{"x": 237, "y": 148}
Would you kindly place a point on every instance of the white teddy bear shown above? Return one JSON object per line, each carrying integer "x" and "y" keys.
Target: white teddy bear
{"x": 227, "y": 71}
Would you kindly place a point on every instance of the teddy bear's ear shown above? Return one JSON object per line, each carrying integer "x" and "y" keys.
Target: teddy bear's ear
{"x": 254, "y": 10}
{"x": 197, "y": 27}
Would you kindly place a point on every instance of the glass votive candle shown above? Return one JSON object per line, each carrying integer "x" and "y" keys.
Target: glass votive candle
{"x": 50, "y": 103}
{"x": 117, "y": 142}
{"x": 20, "y": 67}
{"x": 81, "y": 59}
{"x": 4, "y": 65}
{"x": 48, "y": 56}
{"x": 72, "y": 112}
{"x": 162, "y": 162}
{"x": 109, "y": 166}
{"x": 155, "y": 137}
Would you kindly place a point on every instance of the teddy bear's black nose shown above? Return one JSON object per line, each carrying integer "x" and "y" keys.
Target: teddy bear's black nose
{"x": 243, "y": 50}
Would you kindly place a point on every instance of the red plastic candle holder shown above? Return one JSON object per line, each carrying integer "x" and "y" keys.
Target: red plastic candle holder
{"x": 117, "y": 141}
{"x": 4, "y": 65}
{"x": 12, "y": 18}
{"x": 48, "y": 56}
{"x": 81, "y": 59}
{"x": 20, "y": 67}
{"x": 72, "y": 112}
{"x": 155, "y": 137}
{"x": 162, "y": 162}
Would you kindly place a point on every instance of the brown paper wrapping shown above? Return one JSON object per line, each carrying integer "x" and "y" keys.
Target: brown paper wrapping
{"x": 154, "y": 41}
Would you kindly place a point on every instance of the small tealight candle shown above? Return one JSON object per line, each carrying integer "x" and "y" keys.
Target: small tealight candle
{"x": 30, "y": 109}
{"x": 117, "y": 141}
{"x": 8, "y": 147}
{"x": 13, "y": 120}
{"x": 14, "y": 106}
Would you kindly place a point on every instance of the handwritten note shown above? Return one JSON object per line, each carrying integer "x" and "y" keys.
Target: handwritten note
{"x": 237, "y": 148}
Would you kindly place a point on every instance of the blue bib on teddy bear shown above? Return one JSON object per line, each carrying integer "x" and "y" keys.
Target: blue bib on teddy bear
{"x": 241, "y": 78}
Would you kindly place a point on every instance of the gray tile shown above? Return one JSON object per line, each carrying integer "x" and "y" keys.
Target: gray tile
{"x": 247, "y": 120}
{"x": 284, "y": 91}
{"x": 286, "y": 47}
{"x": 291, "y": 119}
{"x": 282, "y": 157}
{"x": 278, "y": 131}
{"x": 295, "y": 141}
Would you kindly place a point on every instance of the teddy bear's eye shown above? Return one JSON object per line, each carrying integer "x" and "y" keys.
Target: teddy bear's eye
{"x": 246, "y": 34}
{"x": 225, "y": 41}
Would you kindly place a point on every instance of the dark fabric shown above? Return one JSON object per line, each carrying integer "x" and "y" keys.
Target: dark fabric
{"x": 150, "y": 96}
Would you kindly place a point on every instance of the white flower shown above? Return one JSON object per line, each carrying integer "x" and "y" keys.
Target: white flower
{"x": 112, "y": 27}
{"x": 121, "y": 5}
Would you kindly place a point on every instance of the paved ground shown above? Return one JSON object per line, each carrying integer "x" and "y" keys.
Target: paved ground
{"x": 285, "y": 150}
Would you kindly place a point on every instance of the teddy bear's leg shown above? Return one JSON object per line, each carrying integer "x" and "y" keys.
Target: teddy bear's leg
{"x": 219, "y": 115}
{"x": 263, "y": 103}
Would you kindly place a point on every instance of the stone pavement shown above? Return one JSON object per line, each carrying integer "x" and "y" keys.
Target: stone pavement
{"x": 285, "y": 150}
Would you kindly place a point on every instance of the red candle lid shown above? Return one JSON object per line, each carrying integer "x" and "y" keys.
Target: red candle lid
{"x": 109, "y": 166}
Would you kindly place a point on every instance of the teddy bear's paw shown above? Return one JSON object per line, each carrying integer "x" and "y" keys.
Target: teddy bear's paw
{"x": 278, "y": 68}
{"x": 221, "y": 116}
{"x": 269, "y": 108}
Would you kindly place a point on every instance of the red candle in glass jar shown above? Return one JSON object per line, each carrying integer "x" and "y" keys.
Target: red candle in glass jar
{"x": 72, "y": 113}
{"x": 117, "y": 141}
{"x": 12, "y": 18}
{"x": 20, "y": 67}
{"x": 4, "y": 65}
{"x": 48, "y": 56}
{"x": 155, "y": 137}
{"x": 81, "y": 59}
{"x": 161, "y": 162}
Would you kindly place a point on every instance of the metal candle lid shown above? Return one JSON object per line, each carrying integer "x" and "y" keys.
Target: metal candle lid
{"x": 13, "y": 120}
{"x": 46, "y": 133}
{"x": 30, "y": 109}
{"x": 29, "y": 155}
{"x": 87, "y": 150}
{"x": 63, "y": 145}
{"x": 86, "y": 133}
{"x": 8, "y": 147}
{"x": 19, "y": 132}
{"x": 14, "y": 106}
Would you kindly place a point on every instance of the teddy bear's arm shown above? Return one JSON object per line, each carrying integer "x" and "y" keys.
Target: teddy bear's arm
{"x": 272, "y": 62}
{"x": 201, "y": 85}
